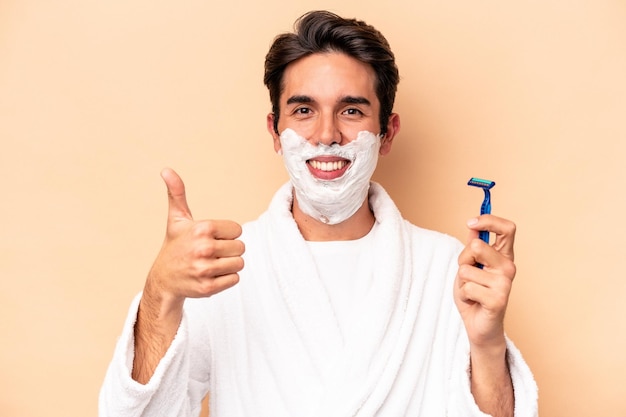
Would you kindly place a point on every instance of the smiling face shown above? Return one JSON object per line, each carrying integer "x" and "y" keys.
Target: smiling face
{"x": 328, "y": 98}
{"x": 329, "y": 126}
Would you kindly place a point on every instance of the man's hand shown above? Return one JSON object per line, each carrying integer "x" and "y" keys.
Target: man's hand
{"x": 482, "y": 296}
{"x": 197, "y": 259}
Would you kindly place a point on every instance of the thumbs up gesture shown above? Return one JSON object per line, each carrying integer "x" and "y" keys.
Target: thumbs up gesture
{"x": 198, "y": 258}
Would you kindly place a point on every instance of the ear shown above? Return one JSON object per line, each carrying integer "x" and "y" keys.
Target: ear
{"x": 272, "y": 132}
{"x": 393, "y": 127}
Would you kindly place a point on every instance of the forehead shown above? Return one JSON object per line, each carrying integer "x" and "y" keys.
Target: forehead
{"x": 326, "y": 75}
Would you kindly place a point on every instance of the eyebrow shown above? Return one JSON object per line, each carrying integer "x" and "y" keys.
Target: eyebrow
{"x": 355, "y": 100}
{"x": 299, "y": 99}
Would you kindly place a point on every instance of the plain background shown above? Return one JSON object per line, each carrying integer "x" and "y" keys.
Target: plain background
{"x": 97, "y": 97}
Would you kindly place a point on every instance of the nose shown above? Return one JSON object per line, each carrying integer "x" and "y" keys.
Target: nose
{"x": 328, "y": 132}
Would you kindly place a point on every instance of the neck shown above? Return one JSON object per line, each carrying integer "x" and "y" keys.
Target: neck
{"x": 353, "y": 228}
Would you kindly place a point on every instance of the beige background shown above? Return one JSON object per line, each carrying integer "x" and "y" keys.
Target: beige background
{"x": 96, "y": 97}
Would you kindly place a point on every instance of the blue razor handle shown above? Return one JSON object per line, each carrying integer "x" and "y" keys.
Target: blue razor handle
{"x": 485, "y": 207}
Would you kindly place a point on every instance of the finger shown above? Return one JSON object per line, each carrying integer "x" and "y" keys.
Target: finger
{"x": 474, "y": 252}
{"x": 214, "y": 268}
{"x": 478, "y": 252}
{"x": 490, "y": 298}
{"x": 503, "y": 229}
{"x": 176, "y": 195}
{"x": 210, "y": 286}
{"x": 471, "y": 235}
{"x": 218, "y": 229}
{"x": 220, "y": 249}
{"x": 500, "y": 280}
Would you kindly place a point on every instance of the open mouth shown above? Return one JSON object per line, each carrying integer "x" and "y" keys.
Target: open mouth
{"x": 328, "y": 168}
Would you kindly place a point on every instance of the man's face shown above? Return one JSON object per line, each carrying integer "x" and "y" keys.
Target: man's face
{"x": 328, "y": 98}
{"x": 329, "y": 128}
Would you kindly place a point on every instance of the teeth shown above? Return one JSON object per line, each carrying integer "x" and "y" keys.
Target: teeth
{"x": 328, "y": 166}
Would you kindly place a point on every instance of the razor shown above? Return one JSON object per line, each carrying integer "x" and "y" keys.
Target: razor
{"x": 485, "y": 207}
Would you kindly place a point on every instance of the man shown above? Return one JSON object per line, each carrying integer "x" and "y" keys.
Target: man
{"x": 343, "y": 308}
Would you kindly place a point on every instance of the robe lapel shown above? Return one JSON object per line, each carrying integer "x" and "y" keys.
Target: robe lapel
{"x": 303, "y": 293}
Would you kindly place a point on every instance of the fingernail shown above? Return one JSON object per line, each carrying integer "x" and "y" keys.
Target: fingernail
{"x": 472, "y": 222}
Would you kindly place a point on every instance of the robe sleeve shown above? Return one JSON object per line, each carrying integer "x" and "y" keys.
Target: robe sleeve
{"x": 172, "y": 390}
{"x": 462, "y": 403}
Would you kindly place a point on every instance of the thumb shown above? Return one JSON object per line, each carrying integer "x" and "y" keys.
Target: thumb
{"x": 473, "y": 233}
{"x": 176, "y": 194}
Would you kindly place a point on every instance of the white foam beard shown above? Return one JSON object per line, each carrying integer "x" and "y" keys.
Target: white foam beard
{"x": 330, "y": 201}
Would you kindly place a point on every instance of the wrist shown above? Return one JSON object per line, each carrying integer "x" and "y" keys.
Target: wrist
{"x": 488, "y": 363}
{"x": 158, "y": 319}
{"x": 161, "y": 308}
{"x": 492, "y": 349}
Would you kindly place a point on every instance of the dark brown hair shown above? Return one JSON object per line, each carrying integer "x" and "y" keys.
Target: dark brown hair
{"x": 323, "y": 31}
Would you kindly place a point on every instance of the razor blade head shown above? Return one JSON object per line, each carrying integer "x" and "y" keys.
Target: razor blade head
{"x": 478, "y": 182}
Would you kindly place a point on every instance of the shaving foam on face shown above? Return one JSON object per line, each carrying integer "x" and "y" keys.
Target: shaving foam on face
{"x": 330, "y": 201}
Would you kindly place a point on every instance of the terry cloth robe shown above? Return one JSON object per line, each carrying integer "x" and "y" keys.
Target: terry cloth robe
{"x": 272, "y": 347}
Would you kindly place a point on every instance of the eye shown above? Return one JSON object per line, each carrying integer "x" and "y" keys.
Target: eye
{"x": 352, "y": 112}
{"x": 302, "y": 111}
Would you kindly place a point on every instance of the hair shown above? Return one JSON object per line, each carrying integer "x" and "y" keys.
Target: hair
{"x": 323, "y": 32}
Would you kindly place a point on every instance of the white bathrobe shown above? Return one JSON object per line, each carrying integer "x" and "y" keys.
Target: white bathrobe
{"x": 272, "y": 346}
